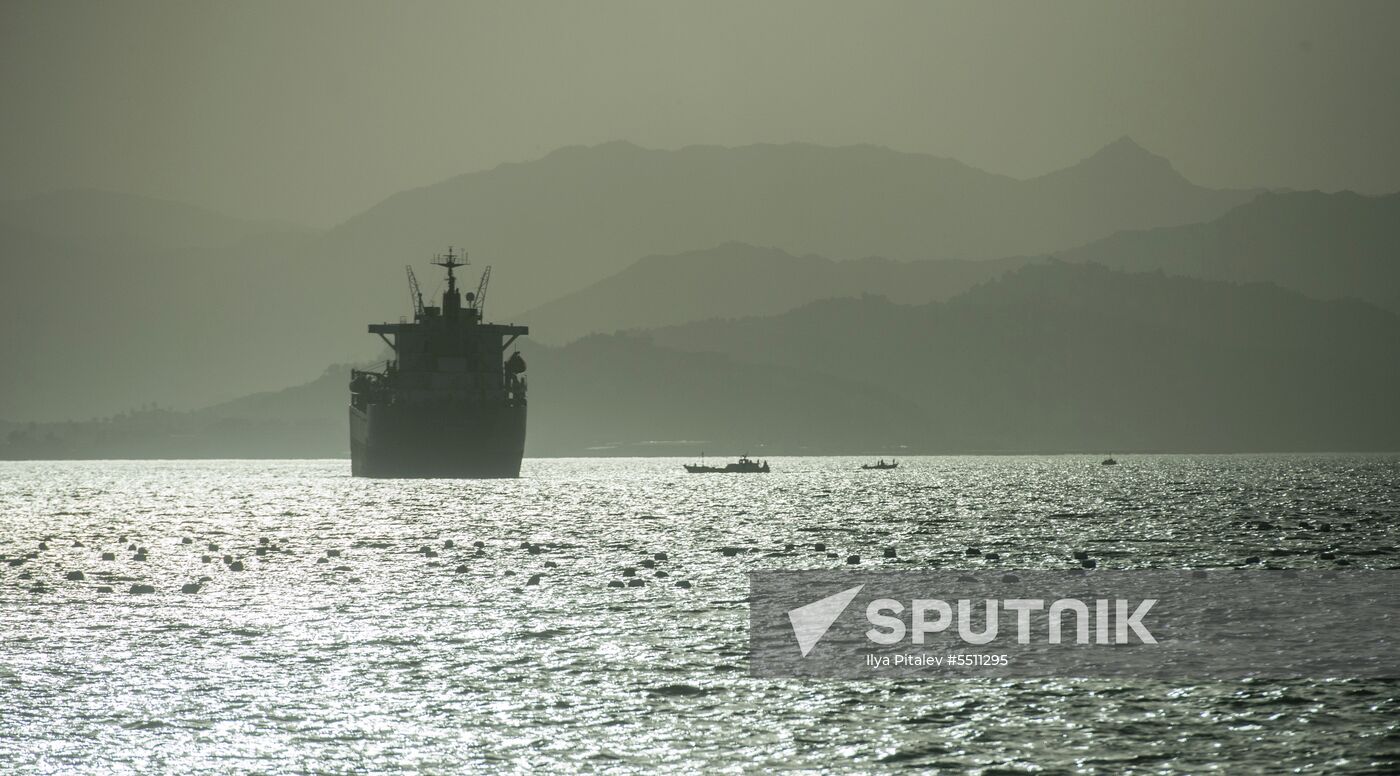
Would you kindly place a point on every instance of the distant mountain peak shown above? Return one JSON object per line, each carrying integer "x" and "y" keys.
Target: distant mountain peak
{"x": 1125, "y": 154}
{"x": 1122, "y": 163}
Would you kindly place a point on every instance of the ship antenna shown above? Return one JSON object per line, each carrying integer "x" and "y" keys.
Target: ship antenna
{"x": 450, "y": 262}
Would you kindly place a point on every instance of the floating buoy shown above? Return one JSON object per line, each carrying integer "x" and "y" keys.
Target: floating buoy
{"x": 660, "y": 556}
{"x": 478, "y": 543}
{"x": 648, "y": 564}
{"x": 109, "y": 556}
{"x": 139, "y": 589}
{"x": 189, "y": 587}
{"x": 462, "y": 569}
{"x": 819, "y": 547}
{"x": 534, "y": 580}
{"x": 661, "y": 575}
{"x": 616, "y": 583}
{"x": 890, "y": 552}
{"x": 1081, "y": 555}
{"x": 260, "y": 551}
{"x": 1251, "y": 560}
{"x": 236, "y": 566}
{"x": 636, "y": 582}
{"x": 104, "y": 588}
{"x": 852, "y": 560}
{"x": 262, "y": 541}
{"x": 43, "y": 545}
{"x": 992, "y": 556}
{"x": 629, "y": 572}
{"x": 1198, "y": 574}
{"x": 213, "y": 547}
{"x": 74, "y": 576}
{"x": 683, "y": 584}
{"x": 972, "y": 552}
{"x": 187, "y": 540}
{"x": 332, "y": 553}
{"x": 205, "y": 559}
{"x": 449, "y": 544}
{"x": 729, "y": 552}
{"x": 549, "y": 564}
{"x": 1089, "y": 563}
{"x": 1010, "y": 578}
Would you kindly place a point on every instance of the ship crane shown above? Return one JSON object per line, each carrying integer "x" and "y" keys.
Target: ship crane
{"x": 478, "y": 300}
{"x": 415, "y": 294}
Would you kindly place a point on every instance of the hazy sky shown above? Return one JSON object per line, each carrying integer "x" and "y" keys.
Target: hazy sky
{"x": 311, "y": 111}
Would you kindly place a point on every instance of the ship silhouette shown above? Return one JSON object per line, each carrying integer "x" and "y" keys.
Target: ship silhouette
{"x": 449, "y": 403}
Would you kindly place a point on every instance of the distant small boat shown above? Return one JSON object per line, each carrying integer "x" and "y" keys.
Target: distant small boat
{"x": 881, "y": 464}
{"x": 1110, "y": 462}
{"x": 745, "y": 465}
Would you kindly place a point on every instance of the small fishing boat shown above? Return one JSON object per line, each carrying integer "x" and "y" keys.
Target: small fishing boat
{"x": 745, "y": 465}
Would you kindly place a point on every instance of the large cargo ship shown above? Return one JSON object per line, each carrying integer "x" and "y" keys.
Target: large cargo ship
{"x": 449, "y": 403}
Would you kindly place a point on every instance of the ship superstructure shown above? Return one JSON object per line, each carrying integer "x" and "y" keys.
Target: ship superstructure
{"x": 450, "y": 403}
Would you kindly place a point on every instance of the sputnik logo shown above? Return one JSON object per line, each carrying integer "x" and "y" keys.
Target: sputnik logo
{"x": 811, "y": 622}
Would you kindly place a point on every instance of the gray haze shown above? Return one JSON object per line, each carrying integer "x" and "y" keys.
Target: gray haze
{"x": 310, "y": 112}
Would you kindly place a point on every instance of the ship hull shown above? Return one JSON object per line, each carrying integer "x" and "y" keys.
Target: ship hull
{"x": 451, "y": 442}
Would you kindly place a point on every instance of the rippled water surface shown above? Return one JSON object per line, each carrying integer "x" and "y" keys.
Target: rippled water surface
{"x": 360, "y": 641}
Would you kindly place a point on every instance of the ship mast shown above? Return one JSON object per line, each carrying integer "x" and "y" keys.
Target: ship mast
{"x": 451, "y": 300}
